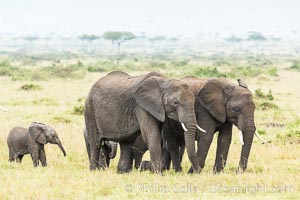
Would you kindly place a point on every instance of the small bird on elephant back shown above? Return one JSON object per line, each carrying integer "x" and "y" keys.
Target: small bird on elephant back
{"x": 22, "y": 141}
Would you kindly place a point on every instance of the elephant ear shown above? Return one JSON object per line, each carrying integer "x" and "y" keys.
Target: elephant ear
{"x": 212, "y": 97}
{"x": 149, "y": 96}
{"x": 242, "y": 83}
{"x": 37, "y": 132}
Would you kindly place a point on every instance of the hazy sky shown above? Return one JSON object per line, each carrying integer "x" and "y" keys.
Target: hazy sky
{"x": 171, "y": 17}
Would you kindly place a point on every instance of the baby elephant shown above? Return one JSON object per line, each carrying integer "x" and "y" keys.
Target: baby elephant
{"x": 22, "y": 141}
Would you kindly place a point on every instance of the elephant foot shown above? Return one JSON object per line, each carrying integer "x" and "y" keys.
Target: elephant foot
{"x": 94, "y": 167}
{"x": 145, "y": 166}
{"x": 192, "y": 171}
{"x": 122, "y": 171}
{"x": 178, "y": 169}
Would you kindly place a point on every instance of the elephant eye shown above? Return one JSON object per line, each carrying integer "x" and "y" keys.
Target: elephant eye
{"x": 236, "y": 110}
{"x": 175, "y": 103}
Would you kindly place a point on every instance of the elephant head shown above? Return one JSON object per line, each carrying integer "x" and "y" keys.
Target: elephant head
{"x": 232, "y": 103}
{"x": 162, "y": 97}
{"x": 44, "y": 134}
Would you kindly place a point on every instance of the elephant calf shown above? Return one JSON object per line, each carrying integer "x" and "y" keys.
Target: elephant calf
{"x": 22, "y": 141}
{"x": 108, "y": 150}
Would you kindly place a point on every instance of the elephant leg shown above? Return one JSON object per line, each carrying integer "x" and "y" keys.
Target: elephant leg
{"x": 137, "y": 160}
{"x": 173, "y": 151}
{"x": 104, "y": 157}
{"x": 125, "y": 161}
{"x": 224, "y": 140}
{"x": 88, "y": 149}
{"x": 166, "y": 159}
{"x": 181, "y": 152}
{"x": 151, "y": 135}
{"x": 35, "y": 157}
{"x": 95, "y": 152}
{"x": 94, "y": 140}
{"x": 175, "y": 159}
{"x": 203, "y": 147}
{"x": 42, "y": 157}
{"x": 11, "y": 156}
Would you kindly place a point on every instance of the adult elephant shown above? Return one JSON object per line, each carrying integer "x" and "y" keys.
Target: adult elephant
{"x": 221, "y": 104}
{"x": 119, "y": 106}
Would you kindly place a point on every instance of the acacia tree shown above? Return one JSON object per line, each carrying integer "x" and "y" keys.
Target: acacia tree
{"x": 257, "y": 38}
{"x": 88, "y": 39}
{"x": 117, "y": 37}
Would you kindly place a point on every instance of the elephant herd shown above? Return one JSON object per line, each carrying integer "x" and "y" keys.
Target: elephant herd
{"x": 155, "y": 113}
{"x": 165, "y": 116}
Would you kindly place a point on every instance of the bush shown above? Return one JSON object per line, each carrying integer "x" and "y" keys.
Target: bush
{"x": 30, "y": 86}
{"x": 6, "y": 69}
{"x": 78, "y": 110}
{"x": 208, "y": 72}
{"x": 95, "y": 69}
{"x": 261, "y": 95}
{"x": 71, "y": 71}
{"x": 272, "y": 71}
{"x": 268, "y": 106}
{"x": 61, "y": 120}
{"x": 239, "y": 72}
{"x": 179, "y": 63}
{"x": 261, "y": 132}
{"x": 295, "y": 65}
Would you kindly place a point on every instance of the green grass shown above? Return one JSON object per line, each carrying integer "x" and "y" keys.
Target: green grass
{"x": 273, "y": 169}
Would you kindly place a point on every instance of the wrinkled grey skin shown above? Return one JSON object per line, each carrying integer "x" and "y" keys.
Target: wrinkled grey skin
{"x": 134, "y": 154}
{"x": 22, "y": 141}
{"x": 108, "y": 150}
{"x": 173, "y": 133}
{"x": 119, "y": 106}
{"x": 219, "y": 105}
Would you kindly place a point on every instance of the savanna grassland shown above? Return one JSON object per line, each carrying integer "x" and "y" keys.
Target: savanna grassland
{"x": 53, "y": 91}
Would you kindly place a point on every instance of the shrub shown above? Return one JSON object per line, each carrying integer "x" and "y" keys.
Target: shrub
{"x": 78, "y": 110}
{"x": 95, "y": 69}
{"x": 272, "y": 71}
{"x": 179, "y": 63}
{"x": 268, "y": 106}
{"x": 261, "y": 132}
{"x": 71, "y": 71}
{"x": 208, "y": 72}
{"x": 238, "y": 72}
{"x": 295, "y": 65}
{"x": 30, "y": 86}
{"x": 262, "y": 95}
{"x": 61, "y": 120}
{"x": 6, "y": 69}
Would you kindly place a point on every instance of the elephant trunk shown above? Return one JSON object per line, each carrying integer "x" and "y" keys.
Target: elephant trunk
{"x": 189, "y": 137}
{"x": 61, "y": 147}
{"x": 248, "y": 139}
{"x": 113, "y": 152}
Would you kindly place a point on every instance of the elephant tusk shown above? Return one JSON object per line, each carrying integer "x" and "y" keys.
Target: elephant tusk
{"x": 241, "y": 137}
{"x": 183, "y": 126}
{"x": 200, "y": 129}
{"x": 3, "y": 109}
{"x": 259, "y": 137}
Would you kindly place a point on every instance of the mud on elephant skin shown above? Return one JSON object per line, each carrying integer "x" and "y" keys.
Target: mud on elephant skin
{"x": 119, "y": 106}
{"x": 108, "y": 151}
{"x": 22, "y": 141}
